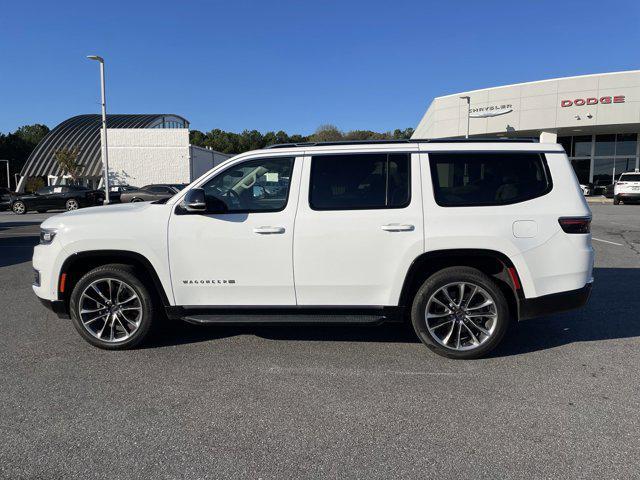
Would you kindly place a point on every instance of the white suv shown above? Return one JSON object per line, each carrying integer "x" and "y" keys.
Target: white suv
{"x": 627, "y": 188}
{"x": 458, "y": 237}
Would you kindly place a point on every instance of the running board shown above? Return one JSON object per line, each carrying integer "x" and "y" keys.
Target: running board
{"x": 283, "y": 316}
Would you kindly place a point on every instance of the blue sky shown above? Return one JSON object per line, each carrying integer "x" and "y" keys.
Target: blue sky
{"x": 294, "y": 65}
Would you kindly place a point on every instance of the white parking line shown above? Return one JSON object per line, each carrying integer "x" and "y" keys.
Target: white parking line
{"x": 607, "y": 241}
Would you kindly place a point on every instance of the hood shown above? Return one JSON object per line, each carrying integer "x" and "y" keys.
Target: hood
{"x": 99, "y": 213}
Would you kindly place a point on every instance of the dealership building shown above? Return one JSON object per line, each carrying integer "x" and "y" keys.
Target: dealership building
{"x": 595, "y": 117}
{"x": 142, "y": 149}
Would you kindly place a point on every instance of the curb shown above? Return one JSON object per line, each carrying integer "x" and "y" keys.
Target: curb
{"x": 599, "y": 199}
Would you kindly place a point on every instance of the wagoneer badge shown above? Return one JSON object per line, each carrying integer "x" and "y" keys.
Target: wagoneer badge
{"x": 208, "y": 282}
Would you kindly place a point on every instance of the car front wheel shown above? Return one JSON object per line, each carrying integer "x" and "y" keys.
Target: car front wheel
{"x": 19, "y": 208}
{"x": 112, "y": 308}
{"x": 459, "y": 312}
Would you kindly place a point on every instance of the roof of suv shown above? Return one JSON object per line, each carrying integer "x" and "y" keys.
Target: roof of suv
{"x": 383, "y": 142}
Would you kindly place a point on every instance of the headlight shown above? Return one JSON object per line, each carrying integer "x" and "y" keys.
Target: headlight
{"x": 47, "y": 235}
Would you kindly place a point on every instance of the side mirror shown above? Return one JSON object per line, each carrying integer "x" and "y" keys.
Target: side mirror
{"x": 195, "y": 201}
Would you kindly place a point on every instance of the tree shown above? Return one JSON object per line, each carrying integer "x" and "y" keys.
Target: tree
{"x": 327, "y": 133}
{"x": 17, "y": 146}
{"x": 32, "y": 134}
{"x": 67, "y": 158}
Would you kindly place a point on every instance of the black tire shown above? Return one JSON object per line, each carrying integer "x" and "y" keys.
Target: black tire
{"x": 19, "y": 207}
{"x": 616, "y": 201}
{"x": 128, "y": 275}
{"x": 469, "y": 276}
{"x": 136, "y": 199}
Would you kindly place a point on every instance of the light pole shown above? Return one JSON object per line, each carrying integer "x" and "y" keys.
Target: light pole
{"x": 103, "y": 132}
{"x": 468, "y": 99}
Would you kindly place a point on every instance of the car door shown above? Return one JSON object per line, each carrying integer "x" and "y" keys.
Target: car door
{"x": 244, "y": 256}
{"x": 42, "y": 200}
{"x": 158, "y": 192}
{"x": 359, "y": 227}
{"x": 59, "y": 196}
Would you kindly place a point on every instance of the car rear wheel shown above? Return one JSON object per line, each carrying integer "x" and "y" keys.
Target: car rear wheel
{"x": 459, "y": 312}
{"x": 72, "y": 204}
{"x": 112, "y": 308}
{"x": 19, "y": 208}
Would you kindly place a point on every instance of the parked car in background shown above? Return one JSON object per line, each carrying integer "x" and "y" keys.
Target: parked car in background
{"x": 586, "y": 189}
{"x": 608, "y": 190}
{"x": 627, "y": 188}
{"x": 599, "y": 186}
{"x": 6, "y": 197}
{"x": 57, "y": 197}
{"x": 150, "y": 193}
{"x": 115, "y": 192}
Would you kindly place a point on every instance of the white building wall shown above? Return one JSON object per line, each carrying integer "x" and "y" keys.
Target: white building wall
{"x": 140, "y": 156}
{"x": 538, "y": 106}
{"x": 203, "y": 160}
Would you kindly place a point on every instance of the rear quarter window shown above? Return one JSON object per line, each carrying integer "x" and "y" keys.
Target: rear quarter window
{"x": 467, "y": 179}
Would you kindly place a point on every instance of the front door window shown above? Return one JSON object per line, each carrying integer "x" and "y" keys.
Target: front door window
{"x": 254, "y": 186}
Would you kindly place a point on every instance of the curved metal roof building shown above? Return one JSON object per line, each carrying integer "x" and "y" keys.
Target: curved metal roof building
{"x": 83, "y": 131}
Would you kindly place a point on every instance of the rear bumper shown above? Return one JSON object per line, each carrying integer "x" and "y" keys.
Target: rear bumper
{"x": 554, "y": 303}
{"x": 56, "y": 306}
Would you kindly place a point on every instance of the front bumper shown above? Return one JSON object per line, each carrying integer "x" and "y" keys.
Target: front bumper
{"x": 554, "y": 303}
{"x": 58, "y": 307}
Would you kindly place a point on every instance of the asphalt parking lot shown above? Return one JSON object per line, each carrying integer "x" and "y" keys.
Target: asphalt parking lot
{"x": 559, "y": 399}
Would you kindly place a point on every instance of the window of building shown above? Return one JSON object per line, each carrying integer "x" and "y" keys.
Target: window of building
{"x": 605, "y": 145}
{"x": 582, "y": 146}
{"x": 253, "y": 186}
{"x": 566, "y": 144}
{"x": 362, "y": 181}
{"x": 623, "y": 165}
{"x": 582, "y": 168}
{"x": 626, "y": 144}
{"x": 476, "y": 179}
{"x": 603, "y": 171}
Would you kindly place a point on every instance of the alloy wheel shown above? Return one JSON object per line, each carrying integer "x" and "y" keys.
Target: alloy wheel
{"x": 461, "y": 316}
{"x": 110, "y": 310}
{"x": 18, "y": 208}
{"x": 72, "y": 204}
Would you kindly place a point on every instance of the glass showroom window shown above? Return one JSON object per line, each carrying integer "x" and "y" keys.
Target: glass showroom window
{"x": 605, "y": 145}
{"x": 603, "y": 171}
{"x": 582, "y": 166}
{"x": 582, "y": 146}
{"x": 626, "y": 144}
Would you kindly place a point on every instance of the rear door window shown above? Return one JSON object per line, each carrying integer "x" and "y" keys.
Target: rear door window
{"x": 463, "y": 179}
{"x": 633, "y": 177}
{"x": 362, "y": 181}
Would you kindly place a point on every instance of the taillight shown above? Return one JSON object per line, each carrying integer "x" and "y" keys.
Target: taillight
{"x": 575, "y": 224}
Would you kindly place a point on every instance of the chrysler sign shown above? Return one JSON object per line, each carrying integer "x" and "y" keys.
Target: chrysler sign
{"x": 578, "y": 102}
{"x": 490, "y": 111}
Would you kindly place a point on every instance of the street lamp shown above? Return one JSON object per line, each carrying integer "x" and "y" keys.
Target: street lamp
{"x": 103, "y": 136}
{"x": 468, "y": 99}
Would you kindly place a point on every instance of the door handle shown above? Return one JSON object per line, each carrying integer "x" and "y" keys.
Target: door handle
{"x": 396, "y": 227}
{"x": 268, "y": 230}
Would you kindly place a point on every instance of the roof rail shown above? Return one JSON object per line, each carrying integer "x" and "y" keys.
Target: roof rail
{"x": 407, "y": 140}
